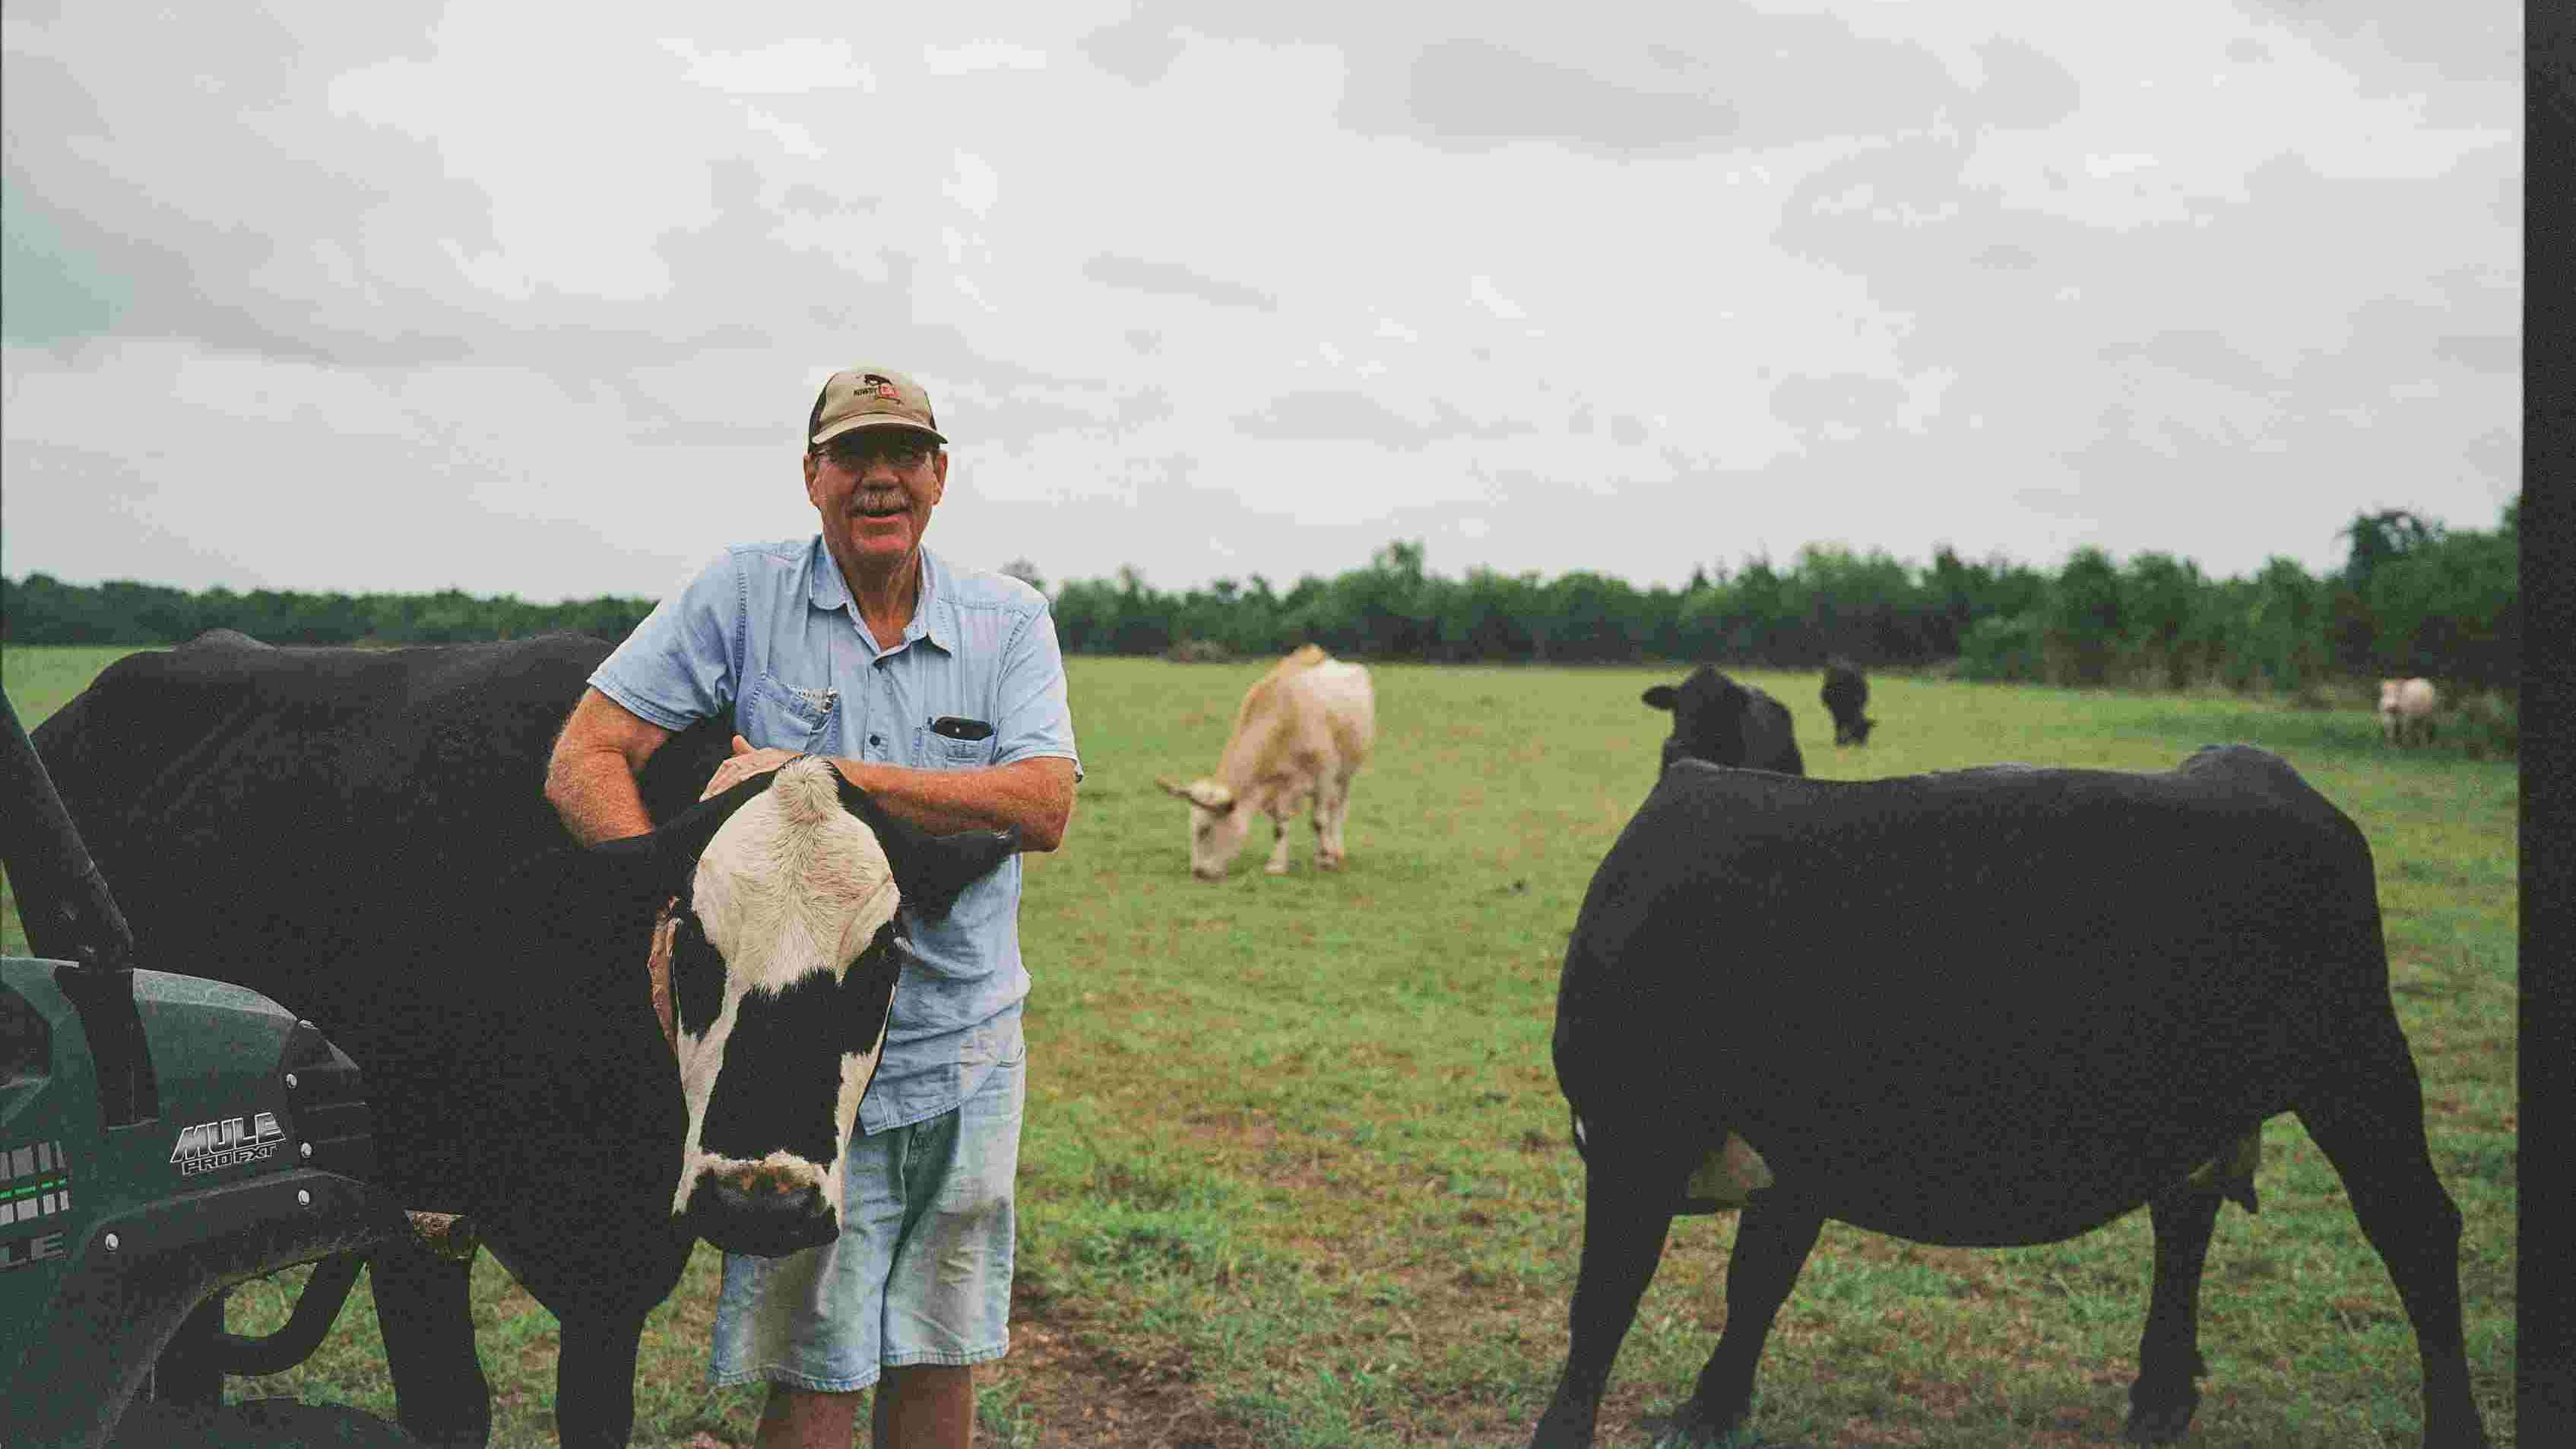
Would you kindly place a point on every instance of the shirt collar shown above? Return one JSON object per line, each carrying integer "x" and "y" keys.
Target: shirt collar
{"x": 930, "y": 613}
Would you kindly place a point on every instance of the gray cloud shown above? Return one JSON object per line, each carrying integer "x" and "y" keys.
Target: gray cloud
{"x": 1455, "y": 424}
{"x": 1172, "y": 279}
{"x": 1137, "y": 50}
{"x": 1475, "y": 94}
{"x": 2201, "y": 353}
{"x": 2024, "y": 89}
{"x": 2403, "y": 338}
{"x": 1317, "y": 414}
{"x": 1845, "y": 401}
{"x": 2482, "y": 354}
{"x": 1323, "y": 414}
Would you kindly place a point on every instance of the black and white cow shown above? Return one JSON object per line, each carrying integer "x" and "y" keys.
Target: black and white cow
{"x": 1846, "y": 694}
{"x": 361, "y": 835}
{"x": 1725, "y": 723}
{"x": 1982, "y": 1008}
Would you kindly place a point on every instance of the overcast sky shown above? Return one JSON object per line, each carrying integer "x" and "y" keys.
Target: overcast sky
{"x": 534, "y": 301}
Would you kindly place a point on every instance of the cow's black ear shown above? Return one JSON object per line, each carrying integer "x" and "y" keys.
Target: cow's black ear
{"x": 679, "y": 843}
{"x": 930, "y": 869}
{"x": 1661, "y": 696}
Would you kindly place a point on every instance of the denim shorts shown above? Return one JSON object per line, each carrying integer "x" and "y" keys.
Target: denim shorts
{"x": 921, "y": 1273}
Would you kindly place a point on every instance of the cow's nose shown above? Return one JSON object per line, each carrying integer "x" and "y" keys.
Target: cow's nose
{"x": 767, "y": 1219}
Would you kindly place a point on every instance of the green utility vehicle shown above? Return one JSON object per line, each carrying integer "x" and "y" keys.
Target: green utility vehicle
{"x": 163, "y": 1137}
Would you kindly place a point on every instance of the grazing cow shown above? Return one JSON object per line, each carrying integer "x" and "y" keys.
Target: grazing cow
{"x": 2406, "y": 710}
{"x": 1844, "y": 694}
{"x": 1722, "y": 722}
{"x": 1304, "y": 730}
{"x": 1983, "y": 1008}
{"x": 362, "y": 835}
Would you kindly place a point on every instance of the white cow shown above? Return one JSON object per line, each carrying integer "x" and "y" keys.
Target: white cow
{"x": 1303, "y": 732}
{"x": 2406, "y": 710}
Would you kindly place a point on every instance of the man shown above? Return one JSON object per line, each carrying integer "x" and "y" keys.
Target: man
{"x": 940, "y": 692}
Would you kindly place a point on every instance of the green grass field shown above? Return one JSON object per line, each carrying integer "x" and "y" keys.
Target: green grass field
{"x": 1296, "y": 1169}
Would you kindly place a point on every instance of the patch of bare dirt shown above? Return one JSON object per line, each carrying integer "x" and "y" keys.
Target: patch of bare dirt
{"x": 1081, "y": 1396}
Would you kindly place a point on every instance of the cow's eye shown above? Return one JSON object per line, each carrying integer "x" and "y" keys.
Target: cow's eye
{"x": 697, "y": 976}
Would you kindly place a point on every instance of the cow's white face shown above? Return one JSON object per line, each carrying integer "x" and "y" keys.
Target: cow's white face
{"x": 782, "y": 968}
{"x": 1218, "y": 825}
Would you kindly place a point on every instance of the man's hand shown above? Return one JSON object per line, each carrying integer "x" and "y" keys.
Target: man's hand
{"x": 746, "y": 762}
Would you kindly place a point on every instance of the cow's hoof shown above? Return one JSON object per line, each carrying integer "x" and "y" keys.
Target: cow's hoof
{"x": 2159, "y": 1423}
{"x": 1274, "y": 870}
{"x": 1328, "y": 862}
{"x": 1680, "y": 1438}
{"x": 1692, "y": 1430}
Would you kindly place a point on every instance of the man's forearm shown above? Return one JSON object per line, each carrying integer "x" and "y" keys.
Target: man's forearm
{"x": 594, "y": 794}
{"x": 1035, "y": 795}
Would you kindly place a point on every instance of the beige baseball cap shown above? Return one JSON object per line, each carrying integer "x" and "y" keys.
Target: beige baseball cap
{"x": 870, "y": 397}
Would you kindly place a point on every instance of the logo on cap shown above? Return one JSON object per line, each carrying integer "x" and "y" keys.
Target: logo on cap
{"x": 876, "y": 386}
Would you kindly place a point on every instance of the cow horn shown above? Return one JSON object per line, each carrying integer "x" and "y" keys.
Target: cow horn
{"x": 1206, "y": 794}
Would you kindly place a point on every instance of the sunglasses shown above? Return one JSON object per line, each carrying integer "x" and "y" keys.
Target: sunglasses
{"x": 857, "y": 450}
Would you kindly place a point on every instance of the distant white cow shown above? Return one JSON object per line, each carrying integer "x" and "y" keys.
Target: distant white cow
{"x": 2406, "y": 710}
{"x": 1304, "y": 730}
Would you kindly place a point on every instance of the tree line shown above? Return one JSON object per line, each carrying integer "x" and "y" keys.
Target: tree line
{"x": 41, "y": 609}
{"x": 2413, "y": 598}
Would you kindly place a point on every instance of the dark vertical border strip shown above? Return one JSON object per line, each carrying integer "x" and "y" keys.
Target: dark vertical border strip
{"x": 2546, "y": 1293}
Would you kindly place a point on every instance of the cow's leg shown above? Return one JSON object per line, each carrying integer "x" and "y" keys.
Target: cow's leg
{"x": 1771, "y": 1246}
{"x": 1628, "y": 1200}
{"x": 595, "y": 1380}
{"x": 1278, "y": 863}
{"x": 2369, "y": 1120}
{"x": 426, "y": 1313}
{"x": 1332, "y": 807}
{"x": 2164, "y": 1398}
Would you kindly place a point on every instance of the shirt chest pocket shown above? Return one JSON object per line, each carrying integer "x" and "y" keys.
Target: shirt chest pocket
{"x": 779, "y": 715}
{"x": 941, "y": 743}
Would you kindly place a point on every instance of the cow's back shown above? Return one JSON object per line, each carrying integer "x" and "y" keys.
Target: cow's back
{"x": 1955, "y": 976}
{"x": 1341, "y": 695}
{"x": 1310, "y": 713}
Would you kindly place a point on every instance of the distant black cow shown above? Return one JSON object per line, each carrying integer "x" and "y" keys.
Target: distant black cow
{"x": 1990, "y": 1007}
{"x": 1845, "y": 694}
{"x": 361, "y": 835}
{"x": 1725, "y": 723}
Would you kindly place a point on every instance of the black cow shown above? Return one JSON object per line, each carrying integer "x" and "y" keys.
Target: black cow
{"x": 1983, "y": 1008}
{"x": 1725, "y": 723}
{"x": 1845, "y": 694}
{"x": 361, "y": 835}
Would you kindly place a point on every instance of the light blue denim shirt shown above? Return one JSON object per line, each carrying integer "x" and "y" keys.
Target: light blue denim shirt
{"x": 770, "y": 632}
